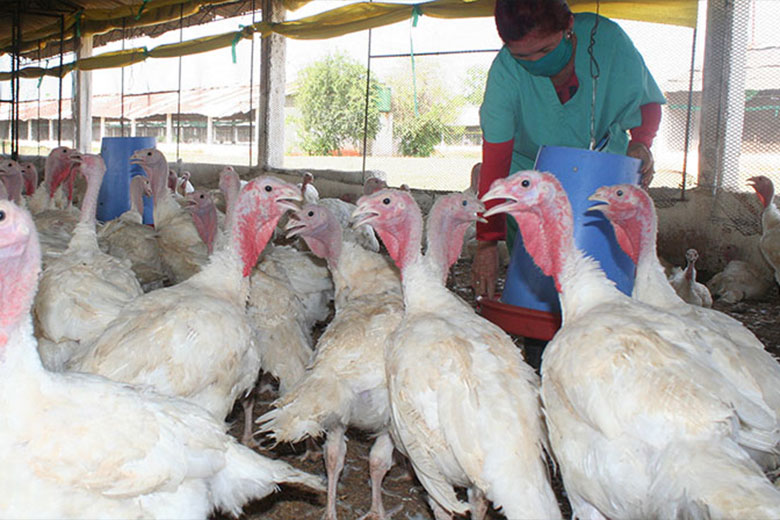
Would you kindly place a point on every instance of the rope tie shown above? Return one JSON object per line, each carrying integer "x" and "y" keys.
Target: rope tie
{"x": 79, "y": 14}
{"x": 416, "y": 12}
{"x": 240, "y": 34}
{"x": 141, "y": 10}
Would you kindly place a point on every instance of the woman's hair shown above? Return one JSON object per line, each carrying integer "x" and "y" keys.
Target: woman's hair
{"x": 516, "y": 18}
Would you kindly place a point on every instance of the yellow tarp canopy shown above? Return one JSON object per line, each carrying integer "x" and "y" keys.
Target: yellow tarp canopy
{"x": 344, "y": 20}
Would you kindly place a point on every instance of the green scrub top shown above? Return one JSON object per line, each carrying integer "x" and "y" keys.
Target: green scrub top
{"x": 520, "y": 106}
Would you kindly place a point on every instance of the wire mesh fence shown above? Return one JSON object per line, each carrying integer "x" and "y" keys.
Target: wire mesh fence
{"x": 426, "y": 81}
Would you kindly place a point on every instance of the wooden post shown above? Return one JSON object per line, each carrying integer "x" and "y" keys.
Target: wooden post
{"x": 82, "y": 99}
{"x": 723, "y": 91}
{"x": 270, "y": 128}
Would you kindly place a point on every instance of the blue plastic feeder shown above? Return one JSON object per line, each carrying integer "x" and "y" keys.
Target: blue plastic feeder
{"x": 529, "y": 305}
{"x": 114, "y": 197}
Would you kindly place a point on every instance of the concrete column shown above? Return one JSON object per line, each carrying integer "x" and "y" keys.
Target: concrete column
{"x": 51, "y": 130}
{"x": 29, "y": 129}
{"x": 102, "y": 127}
{"x": 209, "y": 130}
{"x": 270, "y": 127}
{"x": 132, "y": 128}
{"x": 723, "y": 91}
{"x": 169, "y": 128}
{"x": 82, "y": 99}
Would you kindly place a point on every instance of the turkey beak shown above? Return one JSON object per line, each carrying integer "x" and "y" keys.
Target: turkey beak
{"x": 498, "y": 190}
{"x": 76, "y": 158}
{"x": 598, "y": 197}
{"x": 362, "y": 215}
{"x": 289, "y": 198}
{"x": 480, "y": 209}
{"x": 294, "y": 226}
{"x": 136, "y": 158}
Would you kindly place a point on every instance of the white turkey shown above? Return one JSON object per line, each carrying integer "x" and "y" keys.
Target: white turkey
{"x": 640, "y": 425}
{"x": 201, "y": 206}
{"x": 770, "y": 222}
{"x": 685, "y": 284}
{"x": 181, "y": 247}
{"x": 84, "y": 289}
{"x": 193, "y": 340}
{"x": 342, "y": 210}
{"x": 345, "y": 384}
{"x": 742, "y": 359}
{"x": 12, "y": 178}
{"x": 81, "y": 446}
{"x": 30, "y": 174}
{"x": 739, "y": 280}
{"x": 276, "y": 315}
{"x": 465, "y": 406}
{"x": 54, "y": 218}
{"x": 127, "y": 237}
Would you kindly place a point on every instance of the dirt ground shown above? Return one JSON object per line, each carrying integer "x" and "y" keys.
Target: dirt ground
{"x": 402, "y": 493}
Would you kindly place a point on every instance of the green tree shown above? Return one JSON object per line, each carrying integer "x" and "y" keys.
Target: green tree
{"x": 331, "y": 99}
{"x": 420, "y": 130}
{"x": 474, "y": 82}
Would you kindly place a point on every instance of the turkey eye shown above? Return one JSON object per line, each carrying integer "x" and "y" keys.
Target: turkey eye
{"x": 525, "y": 183}
{"x": 202, "y": 196}
{"x": 619, "y": 193}
{"x": 386, "y": 200}
{"x": 465, "y": 203}
{"x": 268, "y": 187}
{"x": 310, "y": 213}
{"x": 2, "y": 215}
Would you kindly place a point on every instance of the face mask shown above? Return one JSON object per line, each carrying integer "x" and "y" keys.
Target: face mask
{"x": 551, "y": 63}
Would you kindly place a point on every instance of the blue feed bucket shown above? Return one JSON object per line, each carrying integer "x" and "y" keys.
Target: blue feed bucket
{"x": 114, "y": 198}
{"x": 580, "y": 172}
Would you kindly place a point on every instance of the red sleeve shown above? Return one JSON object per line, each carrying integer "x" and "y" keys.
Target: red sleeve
{"x": 651, "y": 119}
{"x": 496, "y": 161}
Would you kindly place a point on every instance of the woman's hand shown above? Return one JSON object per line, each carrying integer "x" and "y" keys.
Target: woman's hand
{"x": 484, "y": 269}
{"x": 643, "y": 153}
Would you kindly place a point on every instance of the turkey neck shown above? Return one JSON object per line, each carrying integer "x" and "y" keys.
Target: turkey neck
{"x": 637, "y": 238}
{"x": 327, "y": 241}
{"x": 444, "y": 236}
{"x": 421, "y": 279}
{"x": 547, "y": 231}
{"x": 89, "y": 204}
{"x": 136, "y": 195}
{"x": 231, "y": 192}
{"x": 14, "y": 182}
{"x": 690, "y": 272}
{"x": 165, "y": 207}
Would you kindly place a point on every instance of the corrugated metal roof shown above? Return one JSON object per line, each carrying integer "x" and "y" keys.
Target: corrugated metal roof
{"x": 213, "y": 102}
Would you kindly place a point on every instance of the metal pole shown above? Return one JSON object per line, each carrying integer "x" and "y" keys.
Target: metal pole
{"x": 122, "y": 88}
{"x": 15, "y": 45}
{"x": 38, "y": 121}
{"x": 178, "y": 94}
{"x": 688, "y": 117}
{"x": 251, "y": 84}
{"x": 365, "y": 112}
{"x": 59, "y": 100}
